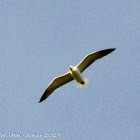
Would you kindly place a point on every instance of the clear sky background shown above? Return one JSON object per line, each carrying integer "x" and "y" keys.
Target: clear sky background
{"x": 40, "y": 39}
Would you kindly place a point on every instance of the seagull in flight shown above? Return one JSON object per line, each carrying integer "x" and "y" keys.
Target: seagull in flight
{"x": 75, "y": 73}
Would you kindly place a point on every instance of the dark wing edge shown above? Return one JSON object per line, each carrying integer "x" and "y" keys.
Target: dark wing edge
{"x": 56, "y": 83}
{"x": 89, "y": 59}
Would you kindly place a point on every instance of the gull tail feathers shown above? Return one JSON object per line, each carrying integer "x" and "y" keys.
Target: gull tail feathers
{"x": 85, "y": 81}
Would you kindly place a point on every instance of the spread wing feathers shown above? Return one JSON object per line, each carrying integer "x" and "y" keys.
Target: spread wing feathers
{"x": 56, "y": 83}
{"x": 89, "y": 59}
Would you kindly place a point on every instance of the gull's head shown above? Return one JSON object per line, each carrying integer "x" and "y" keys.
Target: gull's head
{"x": 71, "y": 68}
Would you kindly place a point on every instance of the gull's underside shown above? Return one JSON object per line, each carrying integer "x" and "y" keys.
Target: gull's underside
{"x": 86, "y": 62}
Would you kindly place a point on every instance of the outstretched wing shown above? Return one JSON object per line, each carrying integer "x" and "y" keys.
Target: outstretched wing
{"x": 89, "y": 59}
{"x": 56, "y": 83}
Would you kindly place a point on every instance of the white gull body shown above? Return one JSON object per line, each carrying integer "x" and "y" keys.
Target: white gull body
{"x": 76, "y": 74}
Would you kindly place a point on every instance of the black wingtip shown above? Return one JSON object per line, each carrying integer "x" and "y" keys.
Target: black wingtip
{"x": 40, "y": 101}
{"x": 112, "y": 49}
{"x": 107, "y": 51}
{"x": 43, "y": 97}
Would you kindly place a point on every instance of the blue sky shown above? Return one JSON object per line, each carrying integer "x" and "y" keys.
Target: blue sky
{"x": 40, "y": 39}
